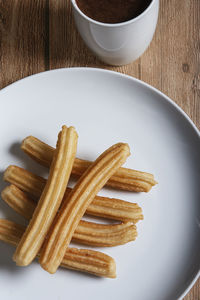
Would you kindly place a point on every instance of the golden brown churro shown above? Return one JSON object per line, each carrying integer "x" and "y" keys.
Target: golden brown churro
{"x": 83, "y": 260}
{"x": 10, "y": 232}
{"x": 100, "y": 235}
{"x": 123, "y": 178}
{"x": 19, "y": 201}
{"x": 87, "y": 233}
{"x": 50, "y": 199}
{"x": 79, "y": 199}
{"x": 101, "y": 206}
{"x": 25, "y": 180}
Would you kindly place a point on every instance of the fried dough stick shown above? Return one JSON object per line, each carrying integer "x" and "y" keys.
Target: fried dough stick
{"x": 87, "y": 233}
{"x": 83, "y": 260}
{"x": 104, "y": 207}
{"x": 50, "y": 199}
{"x": 79, "y": 199}
{"x": 123, "y": 178}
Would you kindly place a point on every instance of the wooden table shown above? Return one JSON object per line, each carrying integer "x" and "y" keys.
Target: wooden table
{"x": 40, "y": 35}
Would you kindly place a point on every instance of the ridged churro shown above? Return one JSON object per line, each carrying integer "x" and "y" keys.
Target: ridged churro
{"x": 19, "y": 201}
{"x": 87, "y": 233}
{"x": 79, "y": 199}
{"x": 105, "y": 207}
{"x": 123, "y": 178}
{"x": 100, "y": 235}
{"x": 82, "y": 260}
{"x": 50, "y": 199}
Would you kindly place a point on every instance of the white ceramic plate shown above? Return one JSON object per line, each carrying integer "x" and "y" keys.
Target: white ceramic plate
{"x": 108, "y": 107}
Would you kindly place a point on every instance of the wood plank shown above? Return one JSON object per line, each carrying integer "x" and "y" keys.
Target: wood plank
{"x": 194, "y": 293}
{"x": 172, "y": 63}
{"x": 22, "y": 35}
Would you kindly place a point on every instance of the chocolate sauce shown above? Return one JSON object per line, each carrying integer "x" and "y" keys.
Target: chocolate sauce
{"x": 112, "y": 11}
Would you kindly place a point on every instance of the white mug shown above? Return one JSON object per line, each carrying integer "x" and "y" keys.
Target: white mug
{"x": 120, "y": 43}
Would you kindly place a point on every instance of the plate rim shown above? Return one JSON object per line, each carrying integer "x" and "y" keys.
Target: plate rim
{"x": 141, "y": 83}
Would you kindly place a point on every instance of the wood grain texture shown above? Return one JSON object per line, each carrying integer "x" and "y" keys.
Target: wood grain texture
{"x": 22, "y": 39}
{"x": 40, "y": 35}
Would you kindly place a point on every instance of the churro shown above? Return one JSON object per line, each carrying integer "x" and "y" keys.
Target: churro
{"x": 87, "y": 233}
{"x": 19, "y": 201}
{"x": 100, "y": 235}
{"x": 123, "y": 178}
{"x": 79, "y": 199}
{"x": 105, "y": 207}
{"x": 82, "y": 260}
{"x": 50, "y": 199}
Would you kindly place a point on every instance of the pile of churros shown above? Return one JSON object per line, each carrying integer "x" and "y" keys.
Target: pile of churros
{"x": 55, "y": 211}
